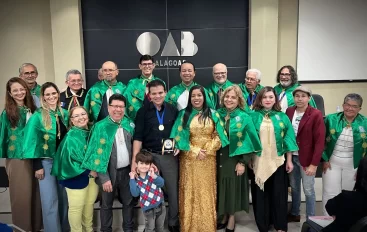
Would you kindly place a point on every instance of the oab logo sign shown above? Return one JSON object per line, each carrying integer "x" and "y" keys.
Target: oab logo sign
{"x": 149, "y": 43}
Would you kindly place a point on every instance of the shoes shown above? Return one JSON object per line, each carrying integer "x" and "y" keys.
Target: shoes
{"x": 221, "y": 226}
{"x": 228, "y": 230}
{"x": 174, "y": 228}
{"x": 292, "y": 218}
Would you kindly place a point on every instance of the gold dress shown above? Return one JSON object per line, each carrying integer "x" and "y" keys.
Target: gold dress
{"x": 197, "y": 190}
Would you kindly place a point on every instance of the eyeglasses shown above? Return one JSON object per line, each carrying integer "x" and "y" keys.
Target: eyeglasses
{"x": 146, "y": 64}
{"x": 285, "y": 74}
{"x": 51, "y": 94}
{"x": 220, "y": 73}
{"x": 76, "y": 81}
{"x": 354, "y": 107}
{"x": 108, "y": 70}
{"x": 15, "y": 91}
{"x": 250, "y": 79}
{"x": 117, "y": 107}
{"x": 79, "y": 115}
{"x": 33, "y": 73}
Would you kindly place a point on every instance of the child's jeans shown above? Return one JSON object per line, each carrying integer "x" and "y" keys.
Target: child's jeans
{"x": 154, "y": 219}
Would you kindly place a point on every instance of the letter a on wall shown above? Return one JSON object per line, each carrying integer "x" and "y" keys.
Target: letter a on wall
{"x": 170, "y": 48}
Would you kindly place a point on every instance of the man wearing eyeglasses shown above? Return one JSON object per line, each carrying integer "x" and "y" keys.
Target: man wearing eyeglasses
{"x": 28, "y": 72}
{"x": 74, "y": 94}
{"x": 136, "y": 92}
{"x": 96, "y": 100}
{"x": 251, "y": 87}
{"x": 219, "y": 84}
{"x": 288, "y": 82}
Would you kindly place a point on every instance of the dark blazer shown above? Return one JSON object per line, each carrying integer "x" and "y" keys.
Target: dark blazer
{"x": 66, "y": 98}
{"x": 111, "y": 171}
{"x": 310, "y": 137}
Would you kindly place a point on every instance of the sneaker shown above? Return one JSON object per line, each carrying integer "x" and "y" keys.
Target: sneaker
{"x": 292, "y": 218}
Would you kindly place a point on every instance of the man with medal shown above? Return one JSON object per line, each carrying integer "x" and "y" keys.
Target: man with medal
{"x": 109, "y": 154}
{"x": 179, "y": 95}
{"x": 96, "y": 100}
{"x": 220, "y": 83}
{"x": 251, "y": 87}
{"x": 154, "y": 122}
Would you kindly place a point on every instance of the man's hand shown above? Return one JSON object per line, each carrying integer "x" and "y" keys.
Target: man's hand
{"x": 133, "y": 167}
{"x": 311, "y": 170}
{"x": 289, "y": 166}
{"x": 93, "y": 173}
{"x": 107, "y": 186}
{"x": 40, "y": 174}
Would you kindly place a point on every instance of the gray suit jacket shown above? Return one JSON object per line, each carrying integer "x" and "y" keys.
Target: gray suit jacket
{"x": 111, "y": 170}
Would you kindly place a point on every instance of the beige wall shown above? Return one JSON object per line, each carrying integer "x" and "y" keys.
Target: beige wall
{"x": 48, "y": 34}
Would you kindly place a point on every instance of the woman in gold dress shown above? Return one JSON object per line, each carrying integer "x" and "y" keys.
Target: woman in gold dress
{"x": 198, "y": 133}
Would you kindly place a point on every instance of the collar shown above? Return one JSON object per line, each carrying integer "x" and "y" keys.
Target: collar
{"x": 152, "y": 106}
{"x": 69, "y": 94}
{"x": 220, "y": 85}
{"x": 189, "y": 86}
{"x": 113, "y": 121}
{"x": 106, "y": 83}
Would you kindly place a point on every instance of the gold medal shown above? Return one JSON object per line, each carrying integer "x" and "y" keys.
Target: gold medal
{"x": 161, "y": 127}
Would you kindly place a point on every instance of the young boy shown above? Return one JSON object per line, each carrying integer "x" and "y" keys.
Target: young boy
{"x": 148, "y": 185}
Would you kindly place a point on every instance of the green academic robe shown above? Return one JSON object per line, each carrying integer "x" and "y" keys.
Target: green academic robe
{"x": 70, "y": 154}
{"x": 213, "y": 89}
{"x": 283, "y": 129}
{"x": 335, "y": 124}
{"x": 175, "y": 92}
{"x": 12, "y": 138}
{"x": 100, "y": 142}
{"x": 289, "y": 94}
{"x": 93, "y": 99}
{"x": 181, "y": 133}
{"x": 242, "y": 135}
{"x": 135, "y": 93}
{"x": 39, "y": 141}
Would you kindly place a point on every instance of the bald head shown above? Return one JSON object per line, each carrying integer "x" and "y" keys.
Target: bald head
{"x": 110, "y": 71}
{"x": 220, "y": 73}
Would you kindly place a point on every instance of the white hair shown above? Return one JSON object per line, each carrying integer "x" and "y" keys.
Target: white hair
{"x": 254, "y": 70}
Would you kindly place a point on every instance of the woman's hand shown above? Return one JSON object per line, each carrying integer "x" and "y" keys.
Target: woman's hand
{"x": 40, "y": 174}
{"x": 93, "y": 173}
{"x": 202, "y": 154}
{"x": 311, "y": 170}
{"x": 240, "y": 169}
{"x": 326, "y": 166}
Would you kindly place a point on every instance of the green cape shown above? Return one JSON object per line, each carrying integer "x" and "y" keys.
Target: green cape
{"x": 40, "y": 142}
{"x": 102, "y": 136}
{"x": 12, "y": 138}
{"x": 335, "y": 124}
{"x": 289, "y": 94}
{"x": 70, "y": 154}
{"x": 213, "y": 89}
{"x": 175, "y": 92}
{"x": 135, "y": 93}
{"x": 242, "y": 133}
{"x": 93, "y": 99}
{"x": 181, "y": 134}
{"x": 283, "y": 129}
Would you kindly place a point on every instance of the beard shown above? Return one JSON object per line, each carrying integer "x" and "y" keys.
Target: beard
{"x": 108, "y": 78}
{"x": 285, "y": 83}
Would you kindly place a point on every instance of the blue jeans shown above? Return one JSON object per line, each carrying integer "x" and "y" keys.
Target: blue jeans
{"x": 308, "y": 188}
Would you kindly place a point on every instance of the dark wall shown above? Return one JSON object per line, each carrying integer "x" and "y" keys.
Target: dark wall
{"x": 220, "y": 28}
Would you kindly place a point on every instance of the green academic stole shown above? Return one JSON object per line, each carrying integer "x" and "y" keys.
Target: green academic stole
{"x": 213, "y": 89}
{"x": 40, "y": 141}
{"x": 93, "y": 99}
{"x": 335, "y": 124}
{"x": 36, "y": 90}
{"x": 70, "y": 154}
{"x": 289, "y": 94}
{"x": 100, "y": 142}
{"x": 283, "y": 129}
{"x": 242, "y": 133}
{"x": 12, "y": 138}
{"x": 135, "y": 93}
{"x": 181, "y": 133}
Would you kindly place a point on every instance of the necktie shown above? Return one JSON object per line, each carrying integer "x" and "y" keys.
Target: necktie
{"x": 75, "y": 102}
{"x": 220, "y": 91}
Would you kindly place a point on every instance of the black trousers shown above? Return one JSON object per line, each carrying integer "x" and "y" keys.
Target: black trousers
{"x": 271, "y": 205}
{"x": 168, "y": 169}
{"x": 122, "y": 186}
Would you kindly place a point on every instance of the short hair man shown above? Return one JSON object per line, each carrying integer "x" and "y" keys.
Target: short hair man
{"x": 154, "y": 123}
{"x": 74, "y": 94}
{"x": 96, "y": 100}
{"x": 219, "y": 84}
{"x": 288, "y": 82}
{"x": 109, "y": 154}
{"x": 136, "y": 92}
{"x": 28, "y": 72}
{"x": 251, "y": 87}
{"x": 179, "y": 95}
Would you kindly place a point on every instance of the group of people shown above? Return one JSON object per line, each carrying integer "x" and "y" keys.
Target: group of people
{"x": 191, "y": 146}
